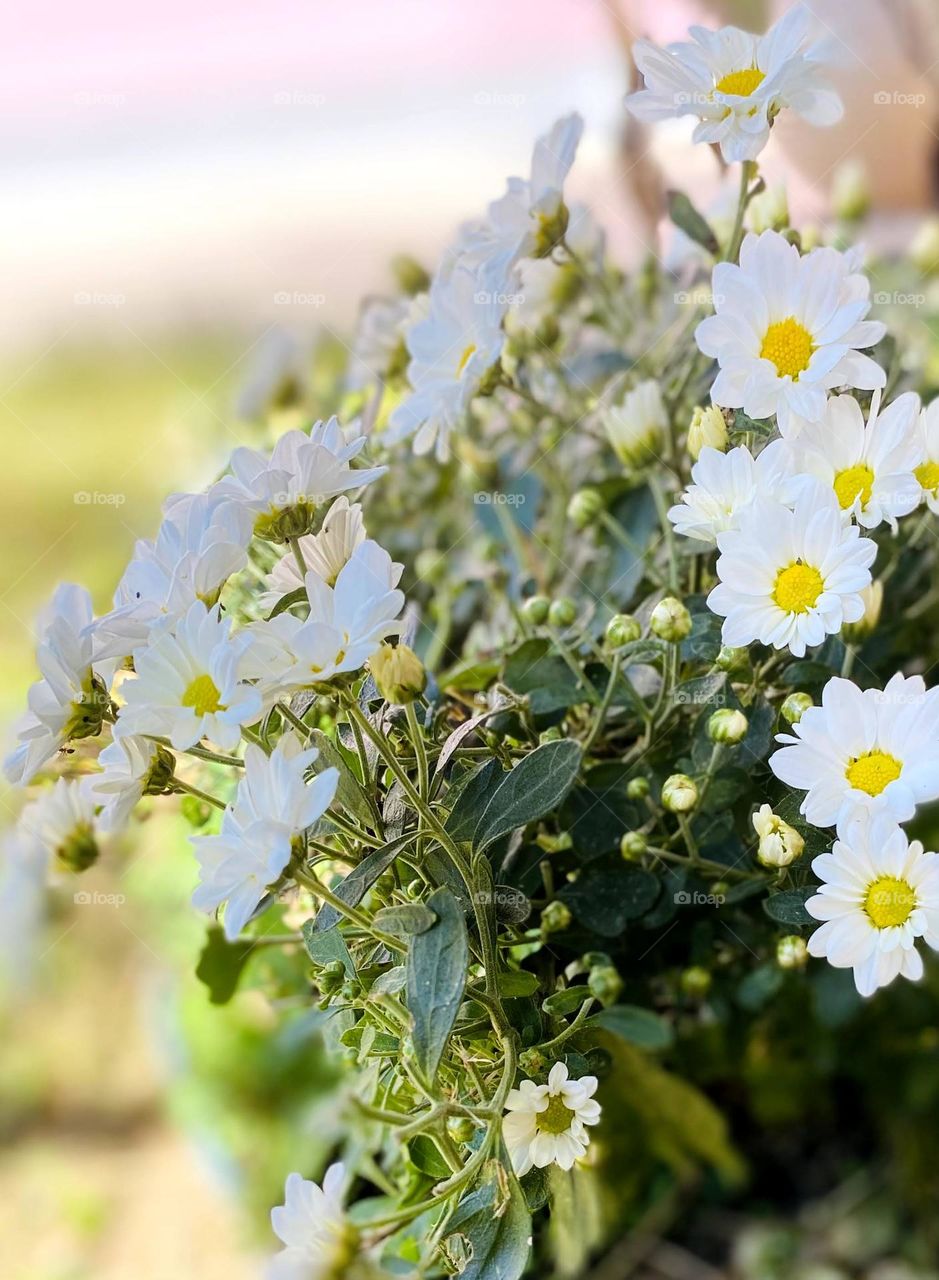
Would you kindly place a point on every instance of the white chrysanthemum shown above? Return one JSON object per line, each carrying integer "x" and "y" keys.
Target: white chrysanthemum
{"x": 325, "y": 553}
{"x": 68, "y": 702}
{"x": 735, "y": 83}
{"x": 189, "y": 684}
{"x": 345, "y": 626}
{"x": 871, "y": 748}
{"x": 273, "y": 806}
{"x": 927, "y": 469}
{"x": 787, "y": 329}
{"x": 318, "y": 1237}
{"x": 131, "y": 765}
{"x": 525, "y": 222}
{"x": 636, "y": 426}
{"x": 790, "y": 577}
{"x": 378, "y": 348}
{"x": 282, "y": 490}
{"x": 869, "y": 467}
{"x": 724, "y": 485}
{"x": 880, "y": 892}
{"x": 546, "y": 1123}
{"x": 201, "y": 542}
{"x": 63, "y": 820}
{"x": 454, "y": 349}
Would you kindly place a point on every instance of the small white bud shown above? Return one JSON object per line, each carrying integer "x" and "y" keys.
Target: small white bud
{"x": 728, "y": 726}
{"x": 679, "y": 793}
{"x": 780, "y": 844}
{"x": 708, "y": 430}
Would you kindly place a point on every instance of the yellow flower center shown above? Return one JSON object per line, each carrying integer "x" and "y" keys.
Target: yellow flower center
{"x": 788, "y": 345}
{"x": 854, "y": 482}
{"x": 741, "y": 82}
{"x": 928, "y": 475}
{"x": 556, "y": 1117}
{"x": 889, "y": 901}
{"x": 873, "y": 771}
{"x": 203, "y": 696}
{"x": 798, "y": 587}
{"x": 465, "y": 358}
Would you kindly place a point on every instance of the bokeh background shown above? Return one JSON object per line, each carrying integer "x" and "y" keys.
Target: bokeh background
{"x": 197, "y": 195}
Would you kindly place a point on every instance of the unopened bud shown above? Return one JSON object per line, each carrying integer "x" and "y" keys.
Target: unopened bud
{"x": 769, "y": 211}
{"x": 531, "y": 1063}
{"x": 412, "y": 278}
{"x": 679, "y": 793}
{"x": 562, "y": 613}
{"x": 632, "y": 846}
{"x": 637, "y": 788}
{"x": 731, "y": 659}
{"x": 621, "y": 629}
{"x": 795, "y": 707}
{"x": 695, "y": 982}
{"x": 536, "y": 609}
{"x": 556, "y": 917}
{"x": 780, "y": 843}
{"x": 670, "y": 620}
{"x": 791, "y": 952}
{"x": 708, "y": 430}
{"x": 398, "y": 673}
{"x": 727, "y": 726}
{"x": 605, "y": 984}
{"x": 584, "y": 508}
{"x": 79, "y": 849}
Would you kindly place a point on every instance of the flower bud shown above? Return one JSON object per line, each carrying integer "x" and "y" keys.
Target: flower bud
{"x": 605, "y": 984}
{"x": 621, "y": 629}
{"x": 160, "y": 774}
{"x": 331, "y": 977}
{"x": 708, "y": 428}
{"x": 635, "y": 427}
{"x": 531, "y": 1063}
{"x": 670, "y": 620}
{"x": 728, "y": 726}
{"x": 78, "y": 849}
{"x": 695, "y": 982}
{"x": 792, "y": 952}
{"x": 556, "y": 917}
{"x": 461, "y": 1129}
{"x": 873, "y": 597}
{"x": 398, "y": 673}
{"x": 632, "y": 846}
{"x": 679, "y": 793}
{"x": 730, "y": 659}
{"x": 637, "y": 788}
{"x": 769, "y": 211}
{"x": 412, "y": 278}
{"x": 562, "y": 613}
{"x": 780, "y": 843}
{"x": 535, "y": 609}
{"x": 924, "y": 250}
{"x": 584, "y": 508}
{"x": 795, "y": 707}
{"x": 850, "y": 191}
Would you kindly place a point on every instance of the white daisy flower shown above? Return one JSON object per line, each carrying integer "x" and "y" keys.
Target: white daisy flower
{"x": 736, "y": 83}
{"x": 70, "y": 700}
{"x": 637, "y": 425}
{"x": 378, "y": 347}
{"x": 529, "y": 219}
{"x": 546, "y": 1122}
{"x": 724, "y": 485}
{"x": 62, "y": 819}
{"x": 319, "y": 1239}
{"x": 189, "y": 684}
{"x": 325, "y": 553}
{"x": 927, "y": 469}
{"x": 871, "y": 748}
{"x": 132, "y": 767}
{"x": 345, "y": 626}
{"x": 284, "y": 489}
{"x": 455, "y": 350}
{"x": 789, "y": 577}
{"x": 787, "y": 329}
{"x": 544, "y": 285}
{"x": 273, "y": 806}
{"x": 870, "y": 467}
{"x": 880, "y": 892}
{"x": 201, "y": 542}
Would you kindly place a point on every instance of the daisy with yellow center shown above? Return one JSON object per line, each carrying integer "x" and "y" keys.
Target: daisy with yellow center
{"x": 927, "y": 468}
{"x": 787, "y": 329}
{"x": 736, "y": 83}
{"x": 869, "y": 466}
{"x": 880, "y": 893}
{"x": 790, "y": 576}
{"x": 546, "y": 1123}
{"x": 864, "y": 749}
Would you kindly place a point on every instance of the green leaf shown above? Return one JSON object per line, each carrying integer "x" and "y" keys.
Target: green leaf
{"x": 408, "y": 918}
{"x": 495, "y": 1229}
{"x": 702, "y": 690}
{"x": 436, "y": 976}
{"x": 297, "y": 596}
{"x": 567, "y": 1000}
{"x": 327, "y": 946}
{"x": 517, "y": 982}
{"x": 535, "y": 787}
{"x": 759, "y": 987}
{"x": 220, "y": 964}
{"x": 638, "y": 1026}
{"x": 544, "y": 677}
{"x": 754, "y": 426}
{"x": 788, "y": 907}
{"x": 425, "y": 1156}
{"x": 472, "y": 799}
{"x": 349, "y": 792}
{"x": 604, "y": 900}
{"x": 684, "y": 215}
{"x": 359, "y": 880}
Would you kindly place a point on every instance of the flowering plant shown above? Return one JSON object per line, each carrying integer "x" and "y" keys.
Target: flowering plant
{"x": 537, "y": 706}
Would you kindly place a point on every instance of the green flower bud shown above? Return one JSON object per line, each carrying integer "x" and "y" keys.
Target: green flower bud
{"x": 531, "y": 1063}
{"x": 331, "y": 978}
{"x": 605, "y": 984}
{"x": 621, "y": 629}
{"x": 707, "y": 429}
{"x": 535, "y": 609}
{"x": 780, "y": 843}
{"x": 160, "y": 774}
{"x": 728, "y": 726}
{"x": 555, "y": 918}
{"x": 730, "y": 659}
{"x": 670, "y": 620}
{"x": 795, "y": 707}
{"x": 695, "y": 982}
{"x": 461, "y": 1129}
{"x": 637, "y": 788}
{"x": 584, "y": 508}
{"x": 398, "y": 673}
{"x": 679, "y": 793}
{"x": 410, "y": 275}
{"x": 792, "y": 952}
{"x": 632, "y": 846}
{"x": 562, "y": 613}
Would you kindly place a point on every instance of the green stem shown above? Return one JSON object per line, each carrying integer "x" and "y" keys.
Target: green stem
{"x": 604, "y": 706}
{"x": 190, "y": 790}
